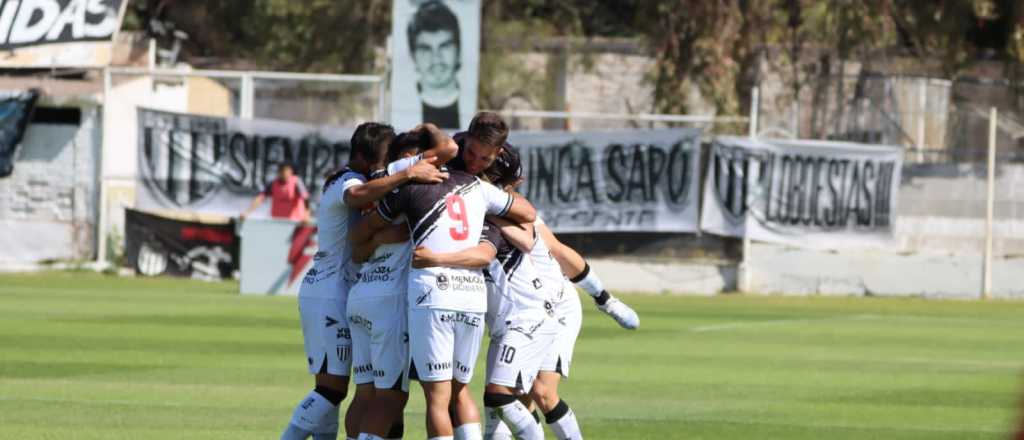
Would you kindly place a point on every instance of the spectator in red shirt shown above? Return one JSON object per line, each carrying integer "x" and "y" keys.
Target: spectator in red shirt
{"x": 288, "y": 196}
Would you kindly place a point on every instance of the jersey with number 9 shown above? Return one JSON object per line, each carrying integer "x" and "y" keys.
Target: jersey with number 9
{"x": 447, "y": 217}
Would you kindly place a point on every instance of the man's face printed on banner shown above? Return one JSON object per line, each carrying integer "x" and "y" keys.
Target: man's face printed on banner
{"x": 436, "y": 56}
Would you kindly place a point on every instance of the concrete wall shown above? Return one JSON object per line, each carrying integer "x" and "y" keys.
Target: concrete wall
{"x": 48, "y": 206}
{"x": 942, "y": 209}
{"x": 120, "y": 144}
{"x": 779, "y": 270}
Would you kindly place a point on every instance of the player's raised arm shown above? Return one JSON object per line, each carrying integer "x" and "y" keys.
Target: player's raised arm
{"x": 442, "y": 147}
{"x": 521, "y": 210}
{"x": 509, "y": 205}
{"x": 423, "y": 171}
{"x": 571, "y": 262}
{"x": 578, "y": 271}
{"x": 520, "y": 235}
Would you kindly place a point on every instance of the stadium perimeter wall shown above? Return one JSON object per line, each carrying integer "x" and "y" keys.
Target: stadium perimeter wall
{"x": 936, "y": 250}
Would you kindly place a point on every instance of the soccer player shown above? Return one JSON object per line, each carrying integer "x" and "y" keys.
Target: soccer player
{"x": 377, "y": 315}
{"x": 507, "y": 173}
{"x": 446, "y": 304}
{"x": 324, "y": 290}
{"x": 484, "y": 144}
{"x": 521, "y": 319}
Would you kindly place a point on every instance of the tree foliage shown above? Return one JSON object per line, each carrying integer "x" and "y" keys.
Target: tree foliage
{"x": 719, "y": 47}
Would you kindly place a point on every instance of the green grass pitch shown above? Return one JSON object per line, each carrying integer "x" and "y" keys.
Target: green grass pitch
{"x": 86, "y": 356}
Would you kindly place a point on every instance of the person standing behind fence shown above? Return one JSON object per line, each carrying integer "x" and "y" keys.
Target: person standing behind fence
{"x": 288, "y": 196}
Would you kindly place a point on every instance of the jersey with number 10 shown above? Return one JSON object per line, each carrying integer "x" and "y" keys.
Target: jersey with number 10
{"x": 447, "y": 217}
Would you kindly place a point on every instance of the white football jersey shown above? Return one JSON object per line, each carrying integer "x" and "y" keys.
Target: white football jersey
{"x": 333, "y": 219}
{"x": 517, "y": 292}
{"x": 447, "y": 217}
{"x": 547, "y": 266}
{"x": 385, "y": 273}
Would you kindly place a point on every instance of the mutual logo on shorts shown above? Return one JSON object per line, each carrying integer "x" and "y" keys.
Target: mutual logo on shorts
{"x": 442, "y": 281}
{"x": 470, "y": 320}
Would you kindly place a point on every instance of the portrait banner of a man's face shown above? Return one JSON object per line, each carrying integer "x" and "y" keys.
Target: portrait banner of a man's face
{"x": 435, "y": 52}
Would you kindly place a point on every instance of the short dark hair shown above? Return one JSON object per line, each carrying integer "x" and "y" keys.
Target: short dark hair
{"x": 433, "y": 16}
{"x": 489, "y": 128}
{"x": 367, "y": 140}
{"x": 406, "y": 142}
{"x": 506, "y": 169}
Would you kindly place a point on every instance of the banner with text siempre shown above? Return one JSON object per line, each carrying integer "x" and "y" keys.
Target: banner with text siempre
{"x": 58, "y": 33}
{"x": 814, "y": 194}
{"x": 217, "y": 165}
{"x": 615, "y": 181}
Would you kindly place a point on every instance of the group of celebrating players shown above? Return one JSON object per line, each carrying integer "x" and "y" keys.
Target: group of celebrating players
{"x": 423, "y": 240}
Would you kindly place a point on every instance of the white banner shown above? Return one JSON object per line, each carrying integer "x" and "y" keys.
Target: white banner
{"x": 815, "y": 194}
{"x": 435, "y": 53}
{"x": 637, "y": 180}
{"x": 58, "y": 33}
{"x": 217, "y": 165}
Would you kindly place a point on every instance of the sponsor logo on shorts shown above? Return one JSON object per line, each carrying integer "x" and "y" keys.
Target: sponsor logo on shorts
{"x": 442, "y": 281}
{"x": 470, "y": 320}
{"x": 461, "y": 367}
{"x": 550, "y": 308}
{"x": 537, "y": 284}
{"x": 363, "y": 369}
{"x": 344, "y": 333}
{"x": 378, "y": 373}
{"x": 439, "y": 366}
{"x": 330, "y": 321}
{"x": 344, "y": 352}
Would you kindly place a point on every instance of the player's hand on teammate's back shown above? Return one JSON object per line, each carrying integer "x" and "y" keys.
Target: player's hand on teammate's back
{"x": 423, "y": 257}
{"x": 425, "y": 171}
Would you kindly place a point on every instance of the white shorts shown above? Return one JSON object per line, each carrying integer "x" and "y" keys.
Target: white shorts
{"x": 444, "y": 344}
{"x": 515, "y": 358}
{"x": 569, "y": 316}
{"x": 380, "y": 348}
{"x": 326, "y": 336}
